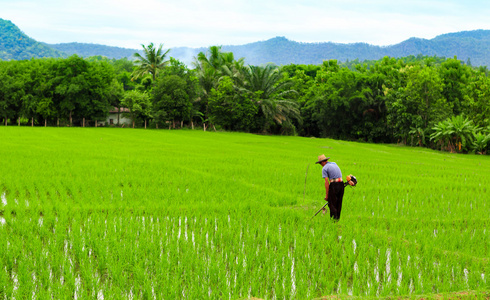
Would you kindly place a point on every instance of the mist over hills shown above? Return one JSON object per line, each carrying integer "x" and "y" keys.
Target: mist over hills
{"x": 473, "y": 46}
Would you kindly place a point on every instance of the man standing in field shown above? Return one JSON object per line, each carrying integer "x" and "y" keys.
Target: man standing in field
{"x": 334, "y": 187}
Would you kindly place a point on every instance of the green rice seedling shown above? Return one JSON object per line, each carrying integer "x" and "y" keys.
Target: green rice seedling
{"x": 123, "y": 223}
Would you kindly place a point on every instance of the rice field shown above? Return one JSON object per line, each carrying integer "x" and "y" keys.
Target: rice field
{"x": 108, "y": 213}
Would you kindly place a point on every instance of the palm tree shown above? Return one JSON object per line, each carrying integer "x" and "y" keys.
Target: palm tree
{"x": 266, "y": 87}
{"x": 208, "y": 67}
{"x": 151, "y": 61}
{"x": 211, "y": 67}
{"x": 212, "y": 59}
{"x": 231, "y": 67}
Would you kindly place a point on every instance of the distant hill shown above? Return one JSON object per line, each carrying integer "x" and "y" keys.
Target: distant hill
{"x": 466, "y": 45}
{"x": 87, "y": 50}
{"x": 473, "y": 45}
{"x": 16, "y": 45}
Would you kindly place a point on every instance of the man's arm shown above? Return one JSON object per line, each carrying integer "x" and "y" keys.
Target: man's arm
{"x": 327, "y": 185}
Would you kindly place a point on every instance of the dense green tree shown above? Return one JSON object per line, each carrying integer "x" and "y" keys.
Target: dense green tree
{"x": 68, "y": 81}
{"x": 381, "y": 101}
{"x": 122, "y": 65}
{"x": 171, "y": 100}
{"x": 82, "y": 89}
{"x": 115, "y": 92}
{"x": 331, "y": 105}
{"x": 303, "y": 82}
{"x": 12, "y": 90}
{"x": 417, "y": 105}
{"x": 165, "y": 95}
{"x": 38, "y": 101}
{"x": 230, "y": 109}
{"x": 455, "y": 76}
{"x": 424, "y": 87}
{"x": 369, "y": 122}
{"x": 139, "y": 106}
{"x": 477, "y": 100}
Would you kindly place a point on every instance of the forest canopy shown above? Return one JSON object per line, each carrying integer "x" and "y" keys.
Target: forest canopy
{"x": 417, "y": 100}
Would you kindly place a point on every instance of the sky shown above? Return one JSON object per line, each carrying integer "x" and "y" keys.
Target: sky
{"x": 194, "y": 23}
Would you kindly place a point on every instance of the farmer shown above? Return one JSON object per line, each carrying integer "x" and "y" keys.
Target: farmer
{"x": 334, "y": 187}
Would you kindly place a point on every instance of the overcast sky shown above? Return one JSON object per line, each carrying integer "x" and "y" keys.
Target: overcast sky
{"x": 195, "y": 23}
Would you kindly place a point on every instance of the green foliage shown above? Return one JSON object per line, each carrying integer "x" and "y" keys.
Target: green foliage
{"x": 171, "y": 100}
{"x": 462, "y": 131}
{"x": 11, "y": 90}
{"x": 139, "y": 105}
{"x": 268, "y": 89}
{"x": 389, "y": 100}
{"x": 81, "y": 89}
{"x": 15, "y": 45}
{"x": 210, "y": 66}
{"x": 456, "y": 134}
{"x": 480, "y": 143}
{"x": 151, "y": 62}
{"x": 455, "y": 76}
{"x": 231, "y": 110}
{"x": 104, "y": 213}
{"x": 442, "y": 135}
{"x": 175, "y": 94}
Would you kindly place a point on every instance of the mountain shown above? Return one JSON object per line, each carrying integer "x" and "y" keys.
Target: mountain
{"x": 16, "y": 45}
{"x": 87, "y": 50}
{"x": 471, "y": 46}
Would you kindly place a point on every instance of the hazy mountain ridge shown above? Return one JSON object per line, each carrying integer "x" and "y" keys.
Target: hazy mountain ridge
{"x": 473, "y": 45}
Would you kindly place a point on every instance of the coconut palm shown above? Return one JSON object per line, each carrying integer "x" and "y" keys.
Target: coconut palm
{"x": 231, "y": 67}
{"x": 214, "y": 64}
{"x": 266, "y": 87}
{"x": 151, "y": 61}
{"x": 211, "y": 67}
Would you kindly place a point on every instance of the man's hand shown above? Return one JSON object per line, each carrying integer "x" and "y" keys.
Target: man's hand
{"x": 351, "y": 183}
{"x": 326, "y": 198}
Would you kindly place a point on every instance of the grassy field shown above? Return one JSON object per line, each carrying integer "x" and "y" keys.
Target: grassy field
{"x": 101, "y": 213}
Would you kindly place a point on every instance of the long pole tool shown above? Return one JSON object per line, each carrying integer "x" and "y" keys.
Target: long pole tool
{"x": 319, "y": 210}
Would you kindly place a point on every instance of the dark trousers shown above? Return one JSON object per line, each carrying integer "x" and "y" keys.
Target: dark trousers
{"x": 335, "y": 196}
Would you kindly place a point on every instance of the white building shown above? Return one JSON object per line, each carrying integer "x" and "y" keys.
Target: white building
{"x": 116, "y": 117}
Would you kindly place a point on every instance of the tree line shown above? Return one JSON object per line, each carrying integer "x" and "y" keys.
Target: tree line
{"x": 420, "y": 101}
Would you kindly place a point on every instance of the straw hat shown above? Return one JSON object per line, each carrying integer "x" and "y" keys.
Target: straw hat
{"x": 322, "y": 158}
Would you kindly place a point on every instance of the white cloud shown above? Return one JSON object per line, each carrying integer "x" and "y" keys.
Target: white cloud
{"x": 196, "y": 23}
